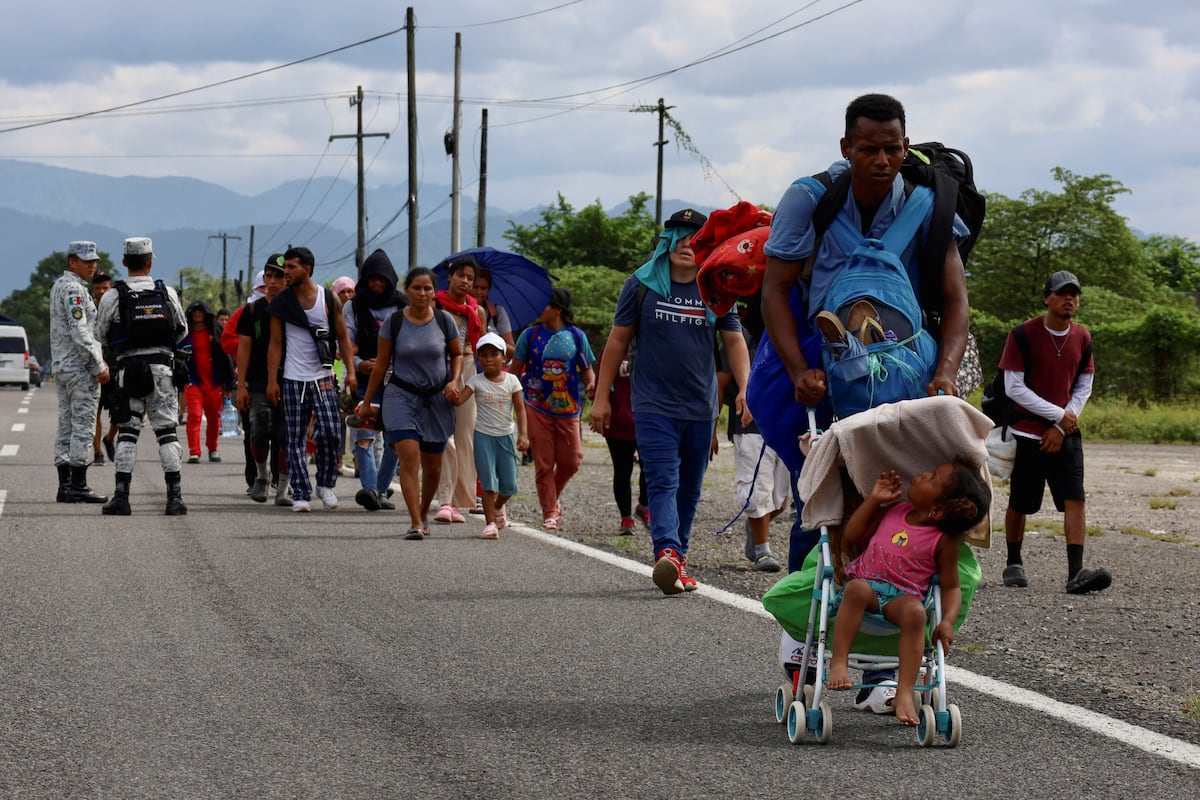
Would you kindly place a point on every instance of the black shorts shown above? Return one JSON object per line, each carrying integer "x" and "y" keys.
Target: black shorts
{"x": 108, "y": 393}
{"x": 1033, "y": 469}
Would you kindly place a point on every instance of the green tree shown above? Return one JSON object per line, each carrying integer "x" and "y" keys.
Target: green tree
{"x": 1024, "y": 240}
{"x": 30, "y": 305}
{"x": 1174, "y": 262}
{"x": 194, "y": 284}
{"x": 588, "y": 236}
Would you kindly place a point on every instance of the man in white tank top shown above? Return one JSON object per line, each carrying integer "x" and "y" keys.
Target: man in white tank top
{"x": 307, "y": 327}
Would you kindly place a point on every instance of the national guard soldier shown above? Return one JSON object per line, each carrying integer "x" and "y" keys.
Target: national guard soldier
{"x": 142, "y": 320}
{"x": 79, "y": 369}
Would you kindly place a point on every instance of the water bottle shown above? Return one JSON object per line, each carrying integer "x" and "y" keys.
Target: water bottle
{"x": 229, "y": 419}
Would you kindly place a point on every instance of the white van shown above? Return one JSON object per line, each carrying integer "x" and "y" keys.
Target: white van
{"x": 14, "y": 356}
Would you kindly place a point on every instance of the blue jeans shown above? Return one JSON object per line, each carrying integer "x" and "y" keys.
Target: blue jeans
{"x": 367, "y": 458}
{"x": 674, "y": 457}
{"x": 387, "y": 469}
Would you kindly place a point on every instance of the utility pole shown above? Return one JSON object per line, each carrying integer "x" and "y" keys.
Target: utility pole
{"x": 481, "y": 209}
{"x": 455, "y": 175}
{"x": 413, "y": 216}
{"x": 660, "y": 144}
{"x": 224, "y": 237}
{"x": 360, "y": 253}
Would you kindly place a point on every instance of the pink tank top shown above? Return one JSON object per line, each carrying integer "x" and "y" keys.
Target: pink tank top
{"x": 899, "y": 553}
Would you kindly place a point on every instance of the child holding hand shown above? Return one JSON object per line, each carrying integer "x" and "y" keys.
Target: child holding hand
{"x": 909, "y": 542}
{"x": 497, "y": 394}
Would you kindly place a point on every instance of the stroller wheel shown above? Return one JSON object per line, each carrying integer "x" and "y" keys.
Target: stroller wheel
{"x": 783, "y": 701}
{"x": 796, "y": 722}
{"x": 954, "y": 726}
{"x": 927, "y": 726}
{"x": 824, "y": 724}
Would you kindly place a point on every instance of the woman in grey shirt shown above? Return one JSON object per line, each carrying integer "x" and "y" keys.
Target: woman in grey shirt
{"x": 421, "y": 346}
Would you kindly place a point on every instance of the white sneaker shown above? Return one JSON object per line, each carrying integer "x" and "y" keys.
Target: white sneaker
{"x": 328, "y": 498}
{"x": 300, "y": 506}
{"x": 877, "y": 700}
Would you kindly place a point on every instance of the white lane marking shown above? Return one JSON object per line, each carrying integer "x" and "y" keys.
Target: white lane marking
{"x": 22, "y": 410}
{"x": 18, "y": 427}
{"x": 1154, "y": 743}
{"x": 3, "y": 497}
{"x": 9, "y": 449}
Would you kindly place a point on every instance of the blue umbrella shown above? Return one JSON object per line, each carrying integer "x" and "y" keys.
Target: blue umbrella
{"x": 518, "y": 284}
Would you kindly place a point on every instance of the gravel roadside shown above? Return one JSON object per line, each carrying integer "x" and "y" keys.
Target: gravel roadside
{"x": 1131, "y": 652}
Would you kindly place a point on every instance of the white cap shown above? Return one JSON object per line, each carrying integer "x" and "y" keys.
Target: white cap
{"x": 138, "y": 246}
{"x": 494, "y": 340}
{"x": 84, "y": 251}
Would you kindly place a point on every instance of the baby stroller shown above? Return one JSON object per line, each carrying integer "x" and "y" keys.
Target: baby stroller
{"x": 909, "y": 436}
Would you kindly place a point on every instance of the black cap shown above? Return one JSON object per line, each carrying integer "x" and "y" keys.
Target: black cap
{"x": 686, "y": 218}
{"x": 100, "y": 277}
{"x": 274, "y": 262}
{"x": 560, "y": 298}
{"x": 1060, "y": 279}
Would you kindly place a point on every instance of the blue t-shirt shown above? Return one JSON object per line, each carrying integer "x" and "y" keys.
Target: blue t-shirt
{"x": 675, "y": 368}
{"x": 792, "y": 234}
{"x": 553, "y": 364}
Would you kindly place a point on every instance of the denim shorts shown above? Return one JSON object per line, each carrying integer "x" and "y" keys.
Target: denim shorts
{"x": 884, "y": 593}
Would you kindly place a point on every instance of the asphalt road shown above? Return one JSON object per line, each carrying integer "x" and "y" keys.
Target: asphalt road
{"x": 245, "y": 651}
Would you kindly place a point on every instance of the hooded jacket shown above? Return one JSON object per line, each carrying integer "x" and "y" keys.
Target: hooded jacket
{"x": 222, "y": 366}
{"x": 366, "y": 337}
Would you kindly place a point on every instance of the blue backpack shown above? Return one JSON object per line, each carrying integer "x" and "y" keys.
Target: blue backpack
{"x": 858, "y": 376}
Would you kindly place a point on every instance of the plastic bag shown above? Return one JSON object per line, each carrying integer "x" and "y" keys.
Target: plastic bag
{"x": 1002, "y": 451}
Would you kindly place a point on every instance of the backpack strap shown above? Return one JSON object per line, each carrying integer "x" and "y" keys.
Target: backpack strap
{"x": 902, "y": 230}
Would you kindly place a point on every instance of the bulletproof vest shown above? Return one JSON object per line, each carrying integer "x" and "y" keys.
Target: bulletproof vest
{"x": 146, "y": 319}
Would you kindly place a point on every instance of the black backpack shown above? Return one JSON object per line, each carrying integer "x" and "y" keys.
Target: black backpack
{"x": 996, "y": 403}
{"x": 146, "y": 319}
{"x": 952, "y": 177}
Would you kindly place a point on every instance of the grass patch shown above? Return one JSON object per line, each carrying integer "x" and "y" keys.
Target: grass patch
{"x": 1191, "y": 706}
{"x": 1157, "y": 537}
{"x": 627, "y": 543}
{"x": 971, "y": 648}
{"x": 1161, "y": 504}
{"x": 1150, "y": 472}
{"x": 1114, "y": 420}
{"x": 1051, "y": 529}
{"x": 1177, "y": 492}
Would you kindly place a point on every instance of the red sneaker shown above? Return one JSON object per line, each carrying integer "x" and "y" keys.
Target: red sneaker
{"x": 626, "y": 528}
{"x": 642, "y": 513}
{"x": 689, "y": 583}
{"x": 668, "y": 571}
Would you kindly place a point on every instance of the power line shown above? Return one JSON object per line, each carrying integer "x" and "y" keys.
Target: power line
{"x": 506, "y": 19}
{"x": 224, "y": 82}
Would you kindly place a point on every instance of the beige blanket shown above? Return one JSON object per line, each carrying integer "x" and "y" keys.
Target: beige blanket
{"x": 909, "y": 437}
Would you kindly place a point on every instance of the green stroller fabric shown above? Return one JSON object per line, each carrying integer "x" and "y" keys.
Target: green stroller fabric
{"x": 789, "y": 599}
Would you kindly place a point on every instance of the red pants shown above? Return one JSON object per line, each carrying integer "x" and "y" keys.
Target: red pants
{"x": 557, "y": 446}
{"x": 206, "y": 400}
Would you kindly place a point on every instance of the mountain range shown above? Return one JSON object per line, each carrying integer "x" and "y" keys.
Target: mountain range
{"x": 42, "y": 208}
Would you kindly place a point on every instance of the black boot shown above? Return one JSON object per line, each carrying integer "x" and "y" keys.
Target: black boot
{"x": 79, "y": 491}
{"x": 118, "y": 506}
{"x": 64, "y": 483}
{"x": 175, "y": 506}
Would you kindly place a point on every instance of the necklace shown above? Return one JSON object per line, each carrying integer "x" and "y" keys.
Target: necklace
{"x": 1058, "y": 349}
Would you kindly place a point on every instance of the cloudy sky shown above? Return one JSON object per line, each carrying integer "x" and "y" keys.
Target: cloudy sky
{"x": 1096, "y": 86}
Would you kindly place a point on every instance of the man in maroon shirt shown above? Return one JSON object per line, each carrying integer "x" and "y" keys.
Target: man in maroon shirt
{"x": 1050, "y": 380}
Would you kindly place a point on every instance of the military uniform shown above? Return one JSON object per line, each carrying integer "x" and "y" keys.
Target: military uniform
{"x": 156, "y": 400}
{"x": 76, "y": 359}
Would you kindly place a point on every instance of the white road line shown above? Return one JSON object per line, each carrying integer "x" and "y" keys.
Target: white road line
{"x": 22, "y": 410}
{"x": 9, "y": 449}
{"x": 18, "y": 427}
{"x": 1132, "y": 735}
{"x": 3, "y": 497}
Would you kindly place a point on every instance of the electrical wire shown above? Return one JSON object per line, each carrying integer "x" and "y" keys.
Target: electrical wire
{"x": 226, "y": 81}
{"x": 506, "y": 19}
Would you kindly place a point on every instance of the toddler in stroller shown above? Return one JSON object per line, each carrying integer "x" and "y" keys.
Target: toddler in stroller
{"x": 842, "y": 467}
{"x": 909, "y": 543}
